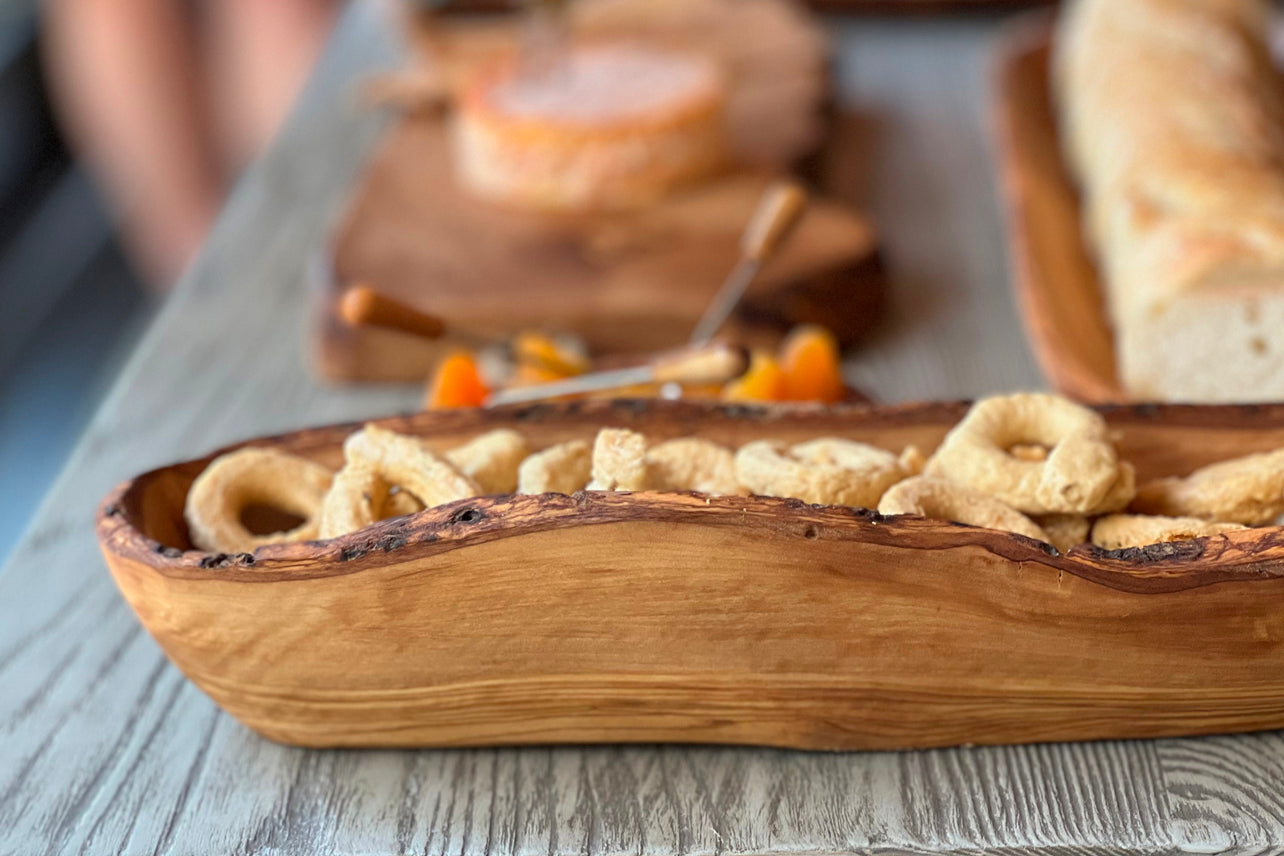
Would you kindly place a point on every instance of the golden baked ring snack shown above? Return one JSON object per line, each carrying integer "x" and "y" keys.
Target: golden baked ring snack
{"x": 912, "y": 461}
{"x": 376, "y": 460}
{"x": 693, "y": 463}
{"x": 564, "y": 468}
{"x": 1055, "y": 448}
{"x": 619, "y": 460}
{"x": 254, "y": 476}
{"x": 824, "y": 472}
{"x": 1065, "y": 531}
{"x": 1082, "y": 473}
{"x": 400, "y": 503}
{"x": 946, "y": 500}
{"x": 357, "y": 498}
{"x": 838, "y": 452}
{"x": 1247, "y": 490}
{"x": 492, "y": 460}
{"x": 1119, "y": 531}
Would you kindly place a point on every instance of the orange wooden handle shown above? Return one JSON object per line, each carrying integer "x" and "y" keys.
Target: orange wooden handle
{"x": 362, "y": 306}
{"x": 780, "y": 210}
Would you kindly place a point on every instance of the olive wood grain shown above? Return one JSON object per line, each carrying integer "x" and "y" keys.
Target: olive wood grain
{"x": 1056, "y": 281}
{"x": 678, "y": 617}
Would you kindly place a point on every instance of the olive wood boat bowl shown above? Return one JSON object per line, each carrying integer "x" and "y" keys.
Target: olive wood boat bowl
{"x": 1056, "y": 281}
{"x": 678, "y": 617}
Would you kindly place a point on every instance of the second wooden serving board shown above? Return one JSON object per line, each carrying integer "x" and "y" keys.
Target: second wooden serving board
{"x": 625, "y": 283}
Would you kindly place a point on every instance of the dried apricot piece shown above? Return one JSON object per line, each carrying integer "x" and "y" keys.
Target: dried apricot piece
{"x": 537, "y": 349}
{"x": 456, "y": 383}
{"x": 764, "y": 381}
{"x": 812, "y": 365}
{"x": 529, "y": 374}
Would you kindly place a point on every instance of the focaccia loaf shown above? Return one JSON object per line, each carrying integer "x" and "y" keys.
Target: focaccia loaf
{"x": 1172, "y": 117}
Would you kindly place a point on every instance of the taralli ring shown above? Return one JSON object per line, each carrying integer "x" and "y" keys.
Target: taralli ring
{"x": 1081, "y": 474}
{"x": 1246, "y": 490}
{"x": 692, "y": 463}
{"x": 564, "y": 468}
{"x": 827, "y": 471}
{"x": 376, "y": 460}
{"x": 943, "y": 500}
{"x": 1032, "y": 464}
{"x": 619, "y": 461}
{"x": 358, "y": 497}
{"x": 248, "y": 477}
{"x": 1120, "y": 531}
{"x": 1065, "y": 531}
{"x": 492, "y": 460}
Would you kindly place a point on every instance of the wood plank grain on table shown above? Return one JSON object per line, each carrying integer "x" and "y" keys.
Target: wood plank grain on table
{"x": 106, "y": 748}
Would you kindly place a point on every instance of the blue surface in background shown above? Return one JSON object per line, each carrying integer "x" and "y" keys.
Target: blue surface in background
{"x": 52, "y": 387}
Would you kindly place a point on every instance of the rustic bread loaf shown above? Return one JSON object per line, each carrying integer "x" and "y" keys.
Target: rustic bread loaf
{"x": 1172, "y": 117}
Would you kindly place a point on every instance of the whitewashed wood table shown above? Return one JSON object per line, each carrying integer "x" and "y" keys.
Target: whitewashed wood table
{"x": 106, "y": 748}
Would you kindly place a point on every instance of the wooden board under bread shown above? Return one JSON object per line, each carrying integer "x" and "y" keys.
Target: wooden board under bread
{"x": 1056, "y": 281}
{"x": 626, "y": 282}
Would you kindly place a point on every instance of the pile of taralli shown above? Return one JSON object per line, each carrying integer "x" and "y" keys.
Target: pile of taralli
{"x": 1034, "y": 464}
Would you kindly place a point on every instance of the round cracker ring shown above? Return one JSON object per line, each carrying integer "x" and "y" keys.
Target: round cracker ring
{"x": 1082, "y": 473}
{"x": 491, "y": 460}
{"x": 1248, "y": 490}
{"x": 693, "y": 463}
{"x": 912, "y": 461}
{"x": 1121, "y": 531}
{"x": 1065, "y": 531}
{"x": 619, "y": 461}
{"x": 254, "y": 476}
{"x": 821, "y": 472}
{"x": 939, "y": 499}
{"x": 357, "y": 498}
{"x": 377, "y": 459}
{"x": 563, "y": 468}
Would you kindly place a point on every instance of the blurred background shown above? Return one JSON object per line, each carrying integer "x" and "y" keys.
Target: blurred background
{"x": 124, "y": 127}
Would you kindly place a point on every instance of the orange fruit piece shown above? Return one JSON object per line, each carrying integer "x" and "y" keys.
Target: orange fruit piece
{"x": 529, "y": 374}
{"x": 457, "y": 383}
{"x": 542, "y": 351}
{"x": 812, "y": 365}
{"x": 764, "y": 381}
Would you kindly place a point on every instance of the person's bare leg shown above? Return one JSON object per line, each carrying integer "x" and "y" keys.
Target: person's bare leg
{"x": 128, "y": 91}
{"x": 261, "y": 55}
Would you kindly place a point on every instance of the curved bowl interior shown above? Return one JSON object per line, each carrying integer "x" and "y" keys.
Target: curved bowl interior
{"x": 679, "y": 617}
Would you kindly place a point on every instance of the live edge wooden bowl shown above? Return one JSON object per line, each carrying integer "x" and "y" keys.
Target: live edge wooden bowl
{"x": 1056, "y": 281}
{"x": 676, "y": 617}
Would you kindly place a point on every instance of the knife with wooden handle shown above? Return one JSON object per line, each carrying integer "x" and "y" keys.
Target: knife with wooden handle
{"x": 776, "y": 216}
{"x": 710, "y": 364}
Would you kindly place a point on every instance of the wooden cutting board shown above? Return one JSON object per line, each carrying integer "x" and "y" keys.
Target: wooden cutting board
{"x": 626, "y": 283}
